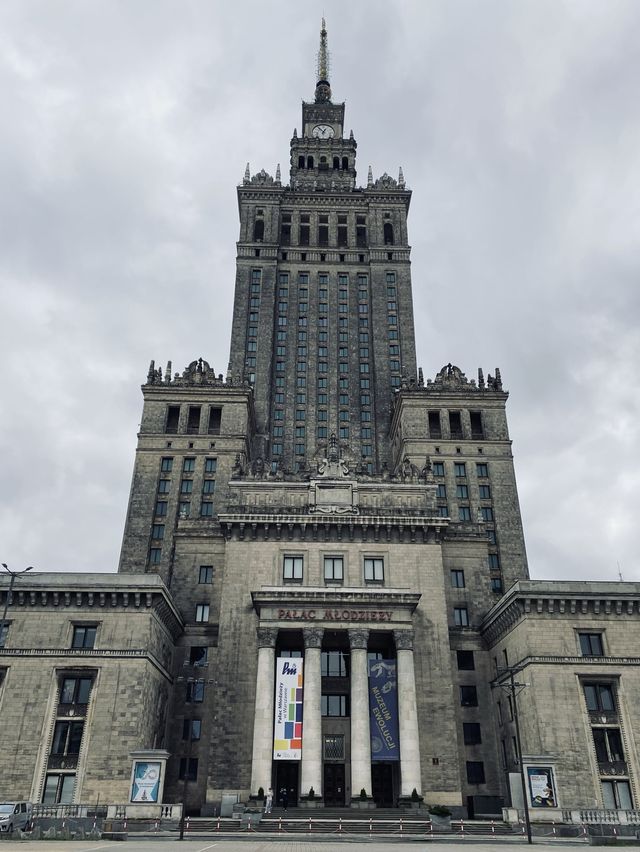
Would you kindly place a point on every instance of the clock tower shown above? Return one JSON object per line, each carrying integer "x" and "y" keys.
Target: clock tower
{"x": 323, "y": 315}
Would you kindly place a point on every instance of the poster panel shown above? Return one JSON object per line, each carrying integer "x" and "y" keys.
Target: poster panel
{"x": 383, "y": 710}
{"x": 287, "y": 737}
{"x": 146, "y": 782}
{"x": 542, "y": 788}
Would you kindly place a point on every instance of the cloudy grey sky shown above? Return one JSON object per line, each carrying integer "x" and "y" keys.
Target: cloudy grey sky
{"x": 126, "y": 127}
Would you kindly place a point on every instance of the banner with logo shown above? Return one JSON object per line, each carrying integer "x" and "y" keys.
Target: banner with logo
{"x": 146, "y": 782}
{"x": 542, "y": 788}
{"x": 383, "y": 710}
{"x": 287, "y": 736}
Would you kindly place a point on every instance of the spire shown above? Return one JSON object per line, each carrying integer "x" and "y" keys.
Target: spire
{"x": 370, "y": 178}
{"x": 323, "y": 89}
{"x": 247, "y": 175}
{"x": 278, "y": 175}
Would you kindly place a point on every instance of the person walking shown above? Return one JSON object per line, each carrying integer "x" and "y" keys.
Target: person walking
{"x": 269, "y": 802}
{"x": 284, "y": 797}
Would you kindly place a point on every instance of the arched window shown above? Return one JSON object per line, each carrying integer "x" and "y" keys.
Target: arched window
{"x": 301, "y": 162}
{"x": 345, "y": 163}
{"x": 388, "y": 234}
{"x": 309, "y": 162}
{"x": 336, "y": 162}
{"x": 258, "y": 231}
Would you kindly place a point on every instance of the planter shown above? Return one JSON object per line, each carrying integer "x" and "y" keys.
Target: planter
{"x": 367, "y": 804}
{"x": 442, "y": 823}
{"x": 316, "y": 802}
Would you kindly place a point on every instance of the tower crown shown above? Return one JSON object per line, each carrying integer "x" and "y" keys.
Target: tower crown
{"x": 323, "y": 89}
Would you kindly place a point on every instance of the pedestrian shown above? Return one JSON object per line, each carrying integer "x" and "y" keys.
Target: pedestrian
{"x": 269, "y": 802}
{"x": 284, "y": 797}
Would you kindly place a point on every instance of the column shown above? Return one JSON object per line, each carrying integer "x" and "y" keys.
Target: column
{"x": 311, "y": 771}
{"x": 360, "y": 734}
{"x": 262, "y": 753}
{"x": 408, "y": 715}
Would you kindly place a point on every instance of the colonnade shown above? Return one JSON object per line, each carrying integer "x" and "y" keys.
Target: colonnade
{"x": 311, "y": 768}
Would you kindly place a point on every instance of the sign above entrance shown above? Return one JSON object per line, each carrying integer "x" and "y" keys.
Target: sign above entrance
{"x": 334, "y": 615}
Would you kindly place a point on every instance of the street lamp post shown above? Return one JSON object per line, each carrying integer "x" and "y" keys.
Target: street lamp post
{"x": 13, "y": 575}
{"x": 514, "y": 689}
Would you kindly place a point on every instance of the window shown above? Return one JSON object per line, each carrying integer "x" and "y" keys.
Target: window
{"x": 441, "y": 491}
{"x": 155, "y": 554}
{"x": 460, "y": 469}
{"x": 457, "y": 579}
{"x": 188, "y": 769}
{"x": 496, "y": 585}
{"x": 292, "y": 568}
{"x": 455, "y": 425}
{"x": 210, "y": 465}
{"x": 334, "y": 747}
{"x": 471, "y": 733}
{"x": 608, "y": 744}
{"x": 616, "y": 795}
{"x": 189, "y": 465}
{"x": 186, "y": 486}
{"x": 75, "y": 690}
{"x": 195, "y": 692}
{"x": 494, "y": 562}
{"x": 58, "y": 788}
{"x": 486, "y": 513}
{"x": 476, "y": 424}
{"x": 466, "y": 662}
{"x": 205, "y": 574}
{"x": 485, "y": 492}
{"x": 334, "y": 664}
{"x": 198, "y": 655}
{"x": 157, "y": 531}
{"x": 462, "y": 492}
{"x": 208, "y": 486}
{"x": 206, "y": 509}
{"x": 193, "y": 422}
{"x": 461, "y": 616}
{"x": 333, "y": 569}
{"x": 67, "y": 737}
{"x": 591, "y": 644}
{"x": 599, "y": 696}
{"x": 161, "y": 508}
{"x": 173, "y": 419}
{"x": 475, "y": 772}
{"x": 166, "y": 465}
{"x": 443, "y": 511}
{"x": 202, "y": 612}
{"x": 164, "y": 486}
{"x": 374, "y": 570}
{"x": 464, "y": 513}
{"x": 4, "y": 632}
{"x": 435, "y": 430}
{"x": 334, "y": 705}
{"x": 482, "y": 470}
{"x": 468, "y": 696}
{"x": 84, "y": 636}
{"x": 184, "y": 509}
{"x": 191, "y": 729}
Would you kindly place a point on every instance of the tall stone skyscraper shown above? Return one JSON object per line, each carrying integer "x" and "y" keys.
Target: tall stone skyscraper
{"x": 323, "y": 317}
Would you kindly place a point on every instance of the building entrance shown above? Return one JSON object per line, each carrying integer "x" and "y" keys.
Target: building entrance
{"x": 333, "y": 790}
{"x": 286, "y": 779}
{"x": 382, "y": 783}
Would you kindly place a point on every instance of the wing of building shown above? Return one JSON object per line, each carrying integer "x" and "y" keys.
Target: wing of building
{"x": 323, "y": 584}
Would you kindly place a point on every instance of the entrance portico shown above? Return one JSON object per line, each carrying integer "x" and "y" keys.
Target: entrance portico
{"x": 336, "y": 753}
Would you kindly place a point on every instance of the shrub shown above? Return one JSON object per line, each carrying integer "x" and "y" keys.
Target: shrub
{"x": 439, "y": 810}
{"x": 312, "y": 793}
{"x": 261, "y": 792}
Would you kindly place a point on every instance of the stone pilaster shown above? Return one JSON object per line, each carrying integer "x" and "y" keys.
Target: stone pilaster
{"x": 360, "y": 734}
{"x": 410, "y": 776}
{"x": 263, "y": 718}
{"x": 311, "y": 770}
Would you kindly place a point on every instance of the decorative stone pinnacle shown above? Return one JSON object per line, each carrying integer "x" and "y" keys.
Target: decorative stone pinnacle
{"x": 401, "y": 182}
{"x": 278, "y": 176}
{"x": 247, "y": 175}
{"x": 370, "y": 178}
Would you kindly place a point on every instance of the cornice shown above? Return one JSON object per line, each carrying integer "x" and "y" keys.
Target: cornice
{"x": 273, "y": 596}
{"x": 81, "y": 655}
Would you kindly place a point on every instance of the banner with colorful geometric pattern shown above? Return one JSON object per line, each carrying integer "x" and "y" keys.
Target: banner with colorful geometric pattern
{"x": 287, "y": 736}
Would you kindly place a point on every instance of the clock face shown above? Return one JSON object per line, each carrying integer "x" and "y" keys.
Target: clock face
{"x": 323, "y": 131}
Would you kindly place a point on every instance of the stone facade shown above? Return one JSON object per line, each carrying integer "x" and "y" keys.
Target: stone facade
{"x": 321, "y": 503}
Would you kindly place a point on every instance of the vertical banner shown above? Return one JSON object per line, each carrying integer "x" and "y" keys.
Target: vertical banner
{"x": 287, "y": 737}
{"x": 542, "y": 788}
{"x": 146, "y": 782}
{"x": 383, "y": 710}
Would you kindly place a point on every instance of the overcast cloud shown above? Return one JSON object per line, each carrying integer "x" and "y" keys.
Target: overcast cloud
{"x": 126, "y": 127}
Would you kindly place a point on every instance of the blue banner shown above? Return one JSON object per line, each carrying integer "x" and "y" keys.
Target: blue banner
{"x": 383, "y": 710}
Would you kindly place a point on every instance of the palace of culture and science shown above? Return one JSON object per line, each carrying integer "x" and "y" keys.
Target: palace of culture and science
{"x": 323, "y": 583}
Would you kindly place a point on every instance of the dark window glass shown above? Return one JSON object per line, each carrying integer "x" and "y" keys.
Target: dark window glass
{"x": 475, "y": 772}
{"x": 482, "y": 470}
{"x": 166, "y": 465}
{"x": 468, "y": 696}
{"x": 193, "y": 423}
{"x": 599, "y": 696}
{"x": 84, "y": 636}
{"x": 195, "y": 692}
{"x": 438, "y": 468}
{"x": 472, "y": 734}
{"x": 191, "y": 729}
{"x": 591, "y": 644}
{"x": 461, "y": 616}
{"x": 455, "y": 424}
{"x": 205, "y": 574}
{"x": 173, "y": 419}
{"x": 188, "y": 769}
{"x": 215, "y": 420}
{"x": 476, "y": 424}
{"x": 460, "y": 469}
{"x": 466, "y": 662}
{"x": 198, "y": 655}
{"x": 457, "y": 579}
{"x": 435, "y": 431}
{"x": 335, "y": 705}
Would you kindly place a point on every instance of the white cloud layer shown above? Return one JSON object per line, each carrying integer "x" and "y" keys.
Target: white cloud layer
{"x": 126, "y": 129}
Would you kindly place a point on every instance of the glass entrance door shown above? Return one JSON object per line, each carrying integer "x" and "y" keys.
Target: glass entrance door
{"x": 286, "y": 779}
{"x": 382, "y": 783}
